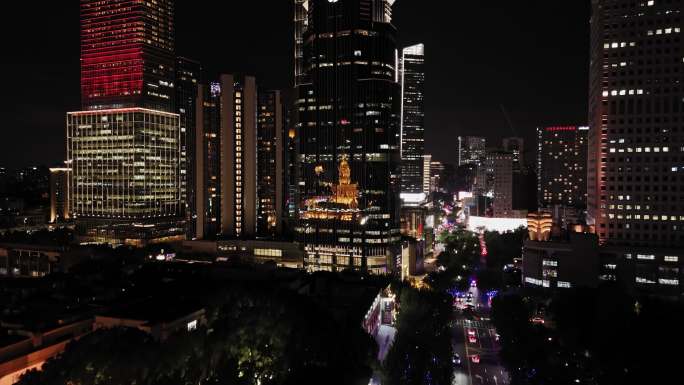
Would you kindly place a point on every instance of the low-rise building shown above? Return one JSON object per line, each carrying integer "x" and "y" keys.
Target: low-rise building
{"x": 644, "y": 270}
{"x": 577, "y": 260}
{"x": 22, "y": 349}
{"x": 158, "y": 319}
{"x": 571, "y": 262}
{"x": 30, "y": 260}
{"x": 283, "y": 254}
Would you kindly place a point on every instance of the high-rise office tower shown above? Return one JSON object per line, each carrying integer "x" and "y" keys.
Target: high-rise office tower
{"x": 124, "y": 148}
{"x": 505, "y": 189}
{"x": 125, "y": 179}
{"x": 270, "y": 157}
{"x": 471, "y": 150}
{"x": 412, "y": 77}
{"x": 226, "y": 168}
{"x": 59, "y": 194}
{"x": 502, "y": 164}
{"x": 127, "y": 54}
{"x": 301, "y": 22}
{"x": 348, "y": 122}
{"x": 436, "y": 171}
{"x": 515, "y": 146}
{"x": 562, "y": 166}
{"x": 188, "y": 78}
{"x": 291, "y": 172}
{"x": 635, "y": 174}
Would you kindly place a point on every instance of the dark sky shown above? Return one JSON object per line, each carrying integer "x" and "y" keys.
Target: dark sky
{"x": 530, "y": 56}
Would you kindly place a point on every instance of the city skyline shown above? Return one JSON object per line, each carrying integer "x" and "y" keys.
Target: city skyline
{"x": 454, "y": 97}
{"x": 381, "y": 192}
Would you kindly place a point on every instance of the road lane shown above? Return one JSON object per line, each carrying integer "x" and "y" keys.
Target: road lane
{"x": 489, "y": 370}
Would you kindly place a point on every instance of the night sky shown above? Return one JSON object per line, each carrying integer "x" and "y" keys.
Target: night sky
{"x": 530, "y": 56}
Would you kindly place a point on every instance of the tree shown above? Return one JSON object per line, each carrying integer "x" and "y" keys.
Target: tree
{"x": 255, "y": 336}
{"x": 421, "y": 352}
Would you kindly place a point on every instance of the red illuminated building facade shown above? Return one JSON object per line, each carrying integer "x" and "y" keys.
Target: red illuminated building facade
{"x": 127, "y": 54}
{"x": 125, "y": 146}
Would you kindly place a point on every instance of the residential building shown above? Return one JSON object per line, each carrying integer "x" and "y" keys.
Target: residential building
{"x": 226, "y": 162}
{"x": 207, "y": 162}
{"x": 59, "y": 194}
{"x": 427, "y": 159}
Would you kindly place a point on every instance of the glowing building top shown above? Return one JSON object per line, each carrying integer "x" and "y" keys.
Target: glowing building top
{"x": 127, "y": 54}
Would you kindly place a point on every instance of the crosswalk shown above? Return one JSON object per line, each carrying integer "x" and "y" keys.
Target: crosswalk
{"x": 472, "y": 323}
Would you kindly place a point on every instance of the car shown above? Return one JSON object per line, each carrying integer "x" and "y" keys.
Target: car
{"x": 456, "y": 359}
{"x": 471, "y": 332}
{"x": 537, "y": 320}
{"x": 472, "y": 339}
{"x": 475, "y": 358}
{"x": 473, "y": 283}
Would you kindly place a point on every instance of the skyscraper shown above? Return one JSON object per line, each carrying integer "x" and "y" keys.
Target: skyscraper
{"x": 127, "y": 54}
{"x": 635, "y": 173}
{"x": 348, "y": 121}
{"x": 301, "y": 21}
{"x": 291, "y": 173}
{"x": 125, "y": 147}
{"x": 226, "y": 166}
{"x": 436, "y": 172}
{"x": 207, "y": 163}
{"x": 502, "y": 163}
{"x": 188, "y": 78}
{"x": 270, "y": 158}
{"x": 562, "y": 166}
{"x": 125, "y": 179}
{"x": 471, "y": 150}
{"x": 412, "y": 73}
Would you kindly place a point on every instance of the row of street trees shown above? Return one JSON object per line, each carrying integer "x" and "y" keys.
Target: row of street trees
{"x": 421, "y": 352}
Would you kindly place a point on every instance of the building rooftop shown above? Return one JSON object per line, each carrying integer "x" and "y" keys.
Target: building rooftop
{"x": 154, "y": 310}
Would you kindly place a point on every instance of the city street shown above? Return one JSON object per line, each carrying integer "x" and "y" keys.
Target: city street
{"x": 476, "y": 343}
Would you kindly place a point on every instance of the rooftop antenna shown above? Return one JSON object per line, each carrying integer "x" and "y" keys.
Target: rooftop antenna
{"x": 508, "y": 119}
